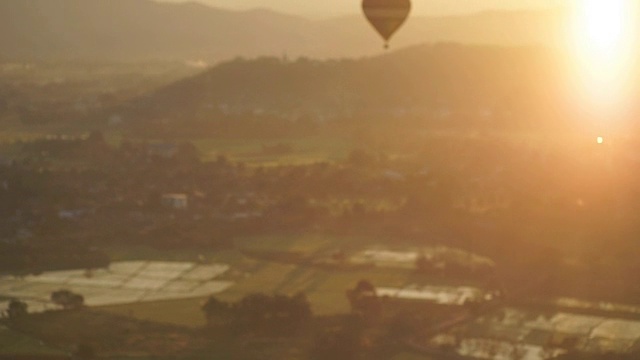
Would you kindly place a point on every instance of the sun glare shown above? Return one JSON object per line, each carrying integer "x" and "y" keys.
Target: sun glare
{"x": 603, "y": 25}
{"x": 603, "y": 38}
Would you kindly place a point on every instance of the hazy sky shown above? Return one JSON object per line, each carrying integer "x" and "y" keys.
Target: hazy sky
{"x": 325, "y": 8}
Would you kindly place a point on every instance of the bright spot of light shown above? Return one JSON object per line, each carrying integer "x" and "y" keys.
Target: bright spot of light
{"x": 603, "y": 26}
{"x": 600, "y": 140}
{"x": 603, "y": 39}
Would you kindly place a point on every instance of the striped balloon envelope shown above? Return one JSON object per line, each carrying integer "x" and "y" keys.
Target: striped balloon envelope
{"x": 386, "y": 16}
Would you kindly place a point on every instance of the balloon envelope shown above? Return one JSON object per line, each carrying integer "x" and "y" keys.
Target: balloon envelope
{"x": 386, "y": 16}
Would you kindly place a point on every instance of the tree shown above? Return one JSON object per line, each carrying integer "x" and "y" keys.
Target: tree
{"x": 277, "y": 312}
{"x": 17, "y": 309}
{"x": 365, "y": 287}
{"x": 423, "y": 265}
{"x": 216, "y": 312}
{"x": 67, "y": 300}
{"x": 251, "y": 311}
{"x": 364, "y": 301}
{"x": 299, "y": 308}
{"x": 260, "y": 312}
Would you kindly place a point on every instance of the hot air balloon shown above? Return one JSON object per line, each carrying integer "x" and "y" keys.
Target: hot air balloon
{"x": 386, "y": 16}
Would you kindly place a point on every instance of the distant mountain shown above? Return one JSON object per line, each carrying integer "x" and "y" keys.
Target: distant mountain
{"x": 448, "y": 79}
{"x": 145, "y": 29}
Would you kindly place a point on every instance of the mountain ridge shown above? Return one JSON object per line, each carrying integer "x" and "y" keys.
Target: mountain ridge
{"x": 256, "y": 96}
{"x": 32, "y": 30}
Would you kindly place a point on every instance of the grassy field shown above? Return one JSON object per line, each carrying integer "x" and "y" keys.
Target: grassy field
{"x": 135, "y": 252}
{"x": 110, "y": 336}
{"x": 306, "y": 244}
{"x": 13, "y": 343}
{"x": 305, "y": 150}
{"x": 115, "y": 337}
{"x": 183, "y": 312}
{"x": 324, "y": 287}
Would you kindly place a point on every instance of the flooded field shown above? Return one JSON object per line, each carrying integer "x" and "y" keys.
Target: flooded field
{"x": 440, "y": 256}
{"x": 519, "y": 334}
{"x": 442, "y": 295}
{"x": 122, "y": 283}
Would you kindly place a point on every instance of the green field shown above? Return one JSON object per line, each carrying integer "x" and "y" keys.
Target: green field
{"x": 251, "y": 272}
{"x": 183, "y": 312}
{"x": 305, "y": 150}
{"x": 324, "y": 288}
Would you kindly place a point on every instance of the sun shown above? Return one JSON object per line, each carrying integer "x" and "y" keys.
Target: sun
{"x": 602, "y": 25}
{"x": 603, "y": 39}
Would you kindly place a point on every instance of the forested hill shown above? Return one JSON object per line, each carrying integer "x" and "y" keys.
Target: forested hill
{"x": 129, "y": 30}
{"x": 421, "y": 80}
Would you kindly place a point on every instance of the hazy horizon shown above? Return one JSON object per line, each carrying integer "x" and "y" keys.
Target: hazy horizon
{"x": 326, "y": 8}
{"x": 317, "y": 179}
